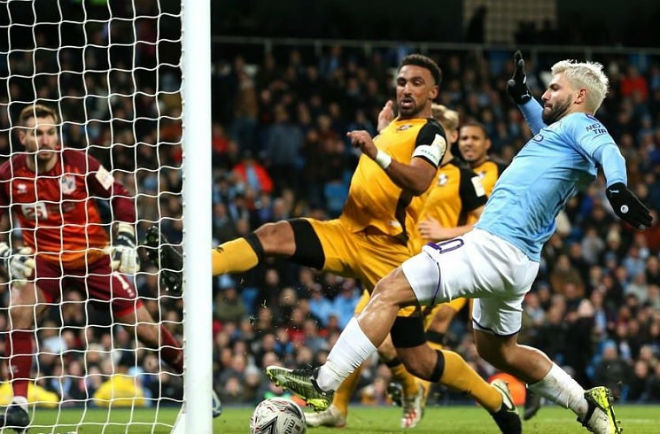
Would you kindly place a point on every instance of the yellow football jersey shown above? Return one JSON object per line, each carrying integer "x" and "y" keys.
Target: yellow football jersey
{"x": 457, "y": 192}
{"x": 489, "y": 171}
{"x": 374, "y": 201}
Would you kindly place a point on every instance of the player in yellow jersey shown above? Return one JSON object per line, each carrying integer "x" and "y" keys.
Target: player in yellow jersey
{"x": 386, "y": 195}
{"x": 473, "y": 144}
{"x": 457, "y": 195}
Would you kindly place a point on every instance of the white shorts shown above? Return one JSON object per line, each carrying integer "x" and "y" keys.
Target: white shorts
{"x": 477, "y": 265}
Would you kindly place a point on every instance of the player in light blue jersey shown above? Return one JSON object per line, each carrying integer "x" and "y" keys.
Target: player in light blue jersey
{"x": 497, "y": 262}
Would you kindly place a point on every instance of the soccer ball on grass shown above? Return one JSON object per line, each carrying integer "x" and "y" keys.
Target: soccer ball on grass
{"x": 277, "y": 416}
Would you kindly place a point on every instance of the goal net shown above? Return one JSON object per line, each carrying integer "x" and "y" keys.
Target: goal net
{"x": 111, "y": 72}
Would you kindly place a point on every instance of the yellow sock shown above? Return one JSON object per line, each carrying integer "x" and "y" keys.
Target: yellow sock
{"x": 234, "y": 256}
{"x": 408, "y": 381}
{"x": 460, "y": 376}
{"x": 434, "y": 345}
{"x": 343, "y": 394}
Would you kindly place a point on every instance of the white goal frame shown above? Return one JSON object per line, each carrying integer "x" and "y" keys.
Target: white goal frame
{"x": 196, "y": 100}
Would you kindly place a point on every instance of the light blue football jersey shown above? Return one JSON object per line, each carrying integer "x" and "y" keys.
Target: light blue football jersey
{"x": 552, "y": 167}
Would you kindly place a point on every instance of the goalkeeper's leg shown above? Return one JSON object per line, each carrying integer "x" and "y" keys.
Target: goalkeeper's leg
{"x": 158, "y": 336}
{"x": 155, "y": 335}
{"x": 26, "y": 301}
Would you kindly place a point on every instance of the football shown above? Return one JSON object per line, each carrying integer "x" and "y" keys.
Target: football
{"x": 277, "y": 416}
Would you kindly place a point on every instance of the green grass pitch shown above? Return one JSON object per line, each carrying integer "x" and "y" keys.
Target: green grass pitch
{"x": 454, "y": 420}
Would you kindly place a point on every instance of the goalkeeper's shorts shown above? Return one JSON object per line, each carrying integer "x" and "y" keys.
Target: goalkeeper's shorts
{"x": 96, "y": 282}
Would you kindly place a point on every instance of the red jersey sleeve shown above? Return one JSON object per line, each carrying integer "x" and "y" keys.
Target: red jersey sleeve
{"x": 102, "y": 184}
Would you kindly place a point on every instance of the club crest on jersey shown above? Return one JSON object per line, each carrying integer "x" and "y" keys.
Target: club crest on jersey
{"x": 404, "y": 127}
{"x": 442, "y": 179}
{"x": 68, "y": 184}
{"x": 21, "y": 188}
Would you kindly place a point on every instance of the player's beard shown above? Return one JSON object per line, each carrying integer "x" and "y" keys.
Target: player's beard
{"x": 409, "y": 112}
{"x": 556, "y": 112}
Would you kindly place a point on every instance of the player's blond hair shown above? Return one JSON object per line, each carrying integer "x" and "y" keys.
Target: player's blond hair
{"x": 585, "y": 75}
{"x": 37, "y": 110}
{"x": 447, "y": 117}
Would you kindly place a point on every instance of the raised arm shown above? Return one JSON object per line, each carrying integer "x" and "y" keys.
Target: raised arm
{"x": 517, "y": 89}
{"x": 532, "y": 110}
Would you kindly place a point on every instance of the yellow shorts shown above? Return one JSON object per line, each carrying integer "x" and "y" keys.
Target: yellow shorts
{"x": 363, "y": 255}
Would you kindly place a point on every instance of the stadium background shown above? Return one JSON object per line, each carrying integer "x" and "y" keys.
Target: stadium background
{"x": 281, "y": 109}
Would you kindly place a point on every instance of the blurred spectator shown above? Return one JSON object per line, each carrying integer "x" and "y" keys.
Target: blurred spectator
{"x": 345, "y": 302}
{"x": 253, "y": 174}
{"x": 285, "y": 139}
{"x": 612, "y": 371}
{"x": 228, "y": 306}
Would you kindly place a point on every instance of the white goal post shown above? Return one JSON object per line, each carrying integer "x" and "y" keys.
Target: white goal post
{"x": 196, "y": 67}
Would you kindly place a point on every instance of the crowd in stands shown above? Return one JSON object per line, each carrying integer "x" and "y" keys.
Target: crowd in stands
{"x": 280, "y": 151}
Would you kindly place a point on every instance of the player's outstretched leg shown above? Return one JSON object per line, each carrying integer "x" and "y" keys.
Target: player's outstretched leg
{"x": 354, "y": 346}
{"x": 303, "y": 383}
{"x": 245, "y": 253}
{"x": 335, "y": 415}
{"x": 600, "y": 418}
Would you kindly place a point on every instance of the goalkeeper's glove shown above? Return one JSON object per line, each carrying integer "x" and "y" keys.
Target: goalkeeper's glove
{"x": 627, "y": 206}
{"x": 167, "y": 258}
{"x": 123, "y": 253}
{"x": 516, "y": 87}
{"x": 18, "y": 263}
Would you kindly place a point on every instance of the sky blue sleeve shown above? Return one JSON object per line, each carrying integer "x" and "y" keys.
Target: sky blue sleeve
{"x": 591, "y": 139}
{"x": 532, "y": 111}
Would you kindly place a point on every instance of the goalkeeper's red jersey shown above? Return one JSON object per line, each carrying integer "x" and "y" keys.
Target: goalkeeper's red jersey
{"x": 57, "y": 210}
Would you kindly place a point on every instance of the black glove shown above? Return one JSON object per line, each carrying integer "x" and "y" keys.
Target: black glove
{"x": 627, "y": 206}
{"x": 167, "y": 258}
{"x": 516, "y": 87}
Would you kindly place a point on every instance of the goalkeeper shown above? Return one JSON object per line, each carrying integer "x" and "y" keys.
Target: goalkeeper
{"x": 50, "y": 193}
